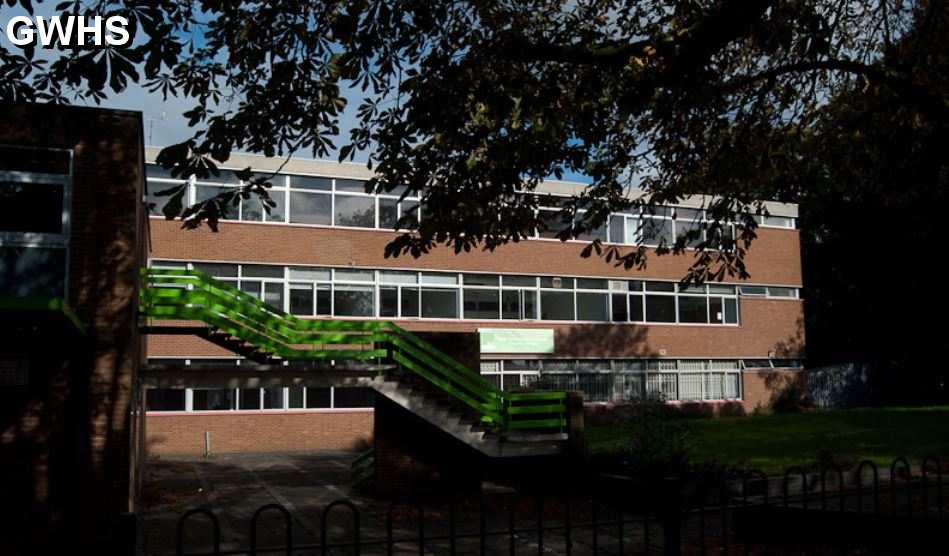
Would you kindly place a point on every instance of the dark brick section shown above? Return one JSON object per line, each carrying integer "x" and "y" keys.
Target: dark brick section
{"x": 78, "y": 420}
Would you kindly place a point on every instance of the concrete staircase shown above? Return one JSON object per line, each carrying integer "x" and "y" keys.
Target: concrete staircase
{"x": 440, "y": 412}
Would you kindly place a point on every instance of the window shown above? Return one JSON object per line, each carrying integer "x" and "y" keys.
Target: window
{"x": 619, "y": 307}
{"x": 388, "y": 301}
{"x": 295, "y": 397}
{"x": 353, "y": 397}
{"x": 556, "y": 305}
{"x": 592, "y": 306}
{"x": 310, "y": 208}
{"x": 388, "y": 213}
{"x": 318, "y": 398}
{"x": 273, "y": 398}
{"x": 660, "y": 308}
{"x": 165, "y": 399}
{"x": 357, "y": 211}
{"x": 249, "y": 398}
{"x": 213, "y": 400}
{"x": 482, "y": 304}
{"x": 35, "y": 191}
{"x": 439, "y": 303}
{"x": 353, "y": 301}
{"x": 693, "y": 309}
{"x": 774, "y": 291}
{"x": 753, "y": 290}
{"x": 301, "y": 299}
{"x": 410, "y": 302}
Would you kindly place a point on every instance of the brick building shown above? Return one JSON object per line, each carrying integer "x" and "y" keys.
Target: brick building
{"x": 72, "y": 240}
{"x": 532, "y": 314}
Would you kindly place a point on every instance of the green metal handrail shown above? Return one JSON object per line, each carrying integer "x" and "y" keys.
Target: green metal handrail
{"x": 175, "y": 294}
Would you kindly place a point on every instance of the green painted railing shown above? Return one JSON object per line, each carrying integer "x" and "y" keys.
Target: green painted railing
{"x": 173, "y": 294}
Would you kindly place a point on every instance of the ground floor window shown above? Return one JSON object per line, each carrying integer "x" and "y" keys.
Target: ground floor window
{"x": 619, "y": 380}
{"x": 268, "y": 399}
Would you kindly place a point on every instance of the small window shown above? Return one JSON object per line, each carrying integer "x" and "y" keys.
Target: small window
{"x": 388, "y": 213}
{"x": 619, "y": 307}
{"x": 480, "y": 279}
{"x": 636, "y": 308}
{"x": 217, "y": 270}
{"x": 410, "y": 302}
{"x": 556, "y": 282}
{"x": 355, "y": 186}
{"x": 311, "y": 183}
{"x": 519, "y": 281}
{"x": 617, "y": 228}
{"x": 781, "y": 292}
{"x": 396, "y": 277}
{"x": 753, "y": 290}
{"x": 388, "y": 301}
{"x": 303, "y": 273}
{"x": 351, "y": 275}
{"x": 295, "y": 397}
{"x": 261, "y": 271}
{"x": 660, "y": 286}
{"x": 591, "y": 284}
{"x": 439, "y": 278}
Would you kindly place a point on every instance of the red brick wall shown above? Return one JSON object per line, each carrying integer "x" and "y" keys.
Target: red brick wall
{"x": 760, "y": 386}
{"x": 774, "y": 258}
{"x": 90, "y": 472}
{"x": 258, "y": 431}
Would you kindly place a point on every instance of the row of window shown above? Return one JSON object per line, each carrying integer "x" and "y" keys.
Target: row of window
{"x": 349, "y": 292}
{"x": 343, "y": 202}
{"x": 618, "y": 380}
{"x": 274, "y": 399}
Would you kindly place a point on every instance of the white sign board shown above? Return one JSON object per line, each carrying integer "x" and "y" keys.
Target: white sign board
{"x": 516, "y": 340}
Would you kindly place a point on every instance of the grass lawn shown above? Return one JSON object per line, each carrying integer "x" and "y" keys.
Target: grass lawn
{"x": 774, "y": 442}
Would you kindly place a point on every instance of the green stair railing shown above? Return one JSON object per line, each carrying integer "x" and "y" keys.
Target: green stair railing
{"x": 191, "y": 295}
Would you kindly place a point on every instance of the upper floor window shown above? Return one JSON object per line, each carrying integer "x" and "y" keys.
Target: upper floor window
{"x": 35, "y": 193}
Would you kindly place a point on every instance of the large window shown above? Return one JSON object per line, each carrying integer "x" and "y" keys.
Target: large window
{"x": 35, "y": 193}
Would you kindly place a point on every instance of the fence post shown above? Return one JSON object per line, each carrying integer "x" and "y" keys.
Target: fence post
{"x": 575, "y": 437}
{"x": 671, "y": 517}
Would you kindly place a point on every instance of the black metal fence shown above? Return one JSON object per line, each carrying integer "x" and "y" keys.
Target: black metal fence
{"x": 865, "y": 509}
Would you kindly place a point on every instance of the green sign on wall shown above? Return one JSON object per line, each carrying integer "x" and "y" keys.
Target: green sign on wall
{"x": 516, "y": 340}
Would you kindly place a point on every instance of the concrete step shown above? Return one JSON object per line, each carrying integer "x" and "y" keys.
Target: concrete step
{"x": 451, "y": 420}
